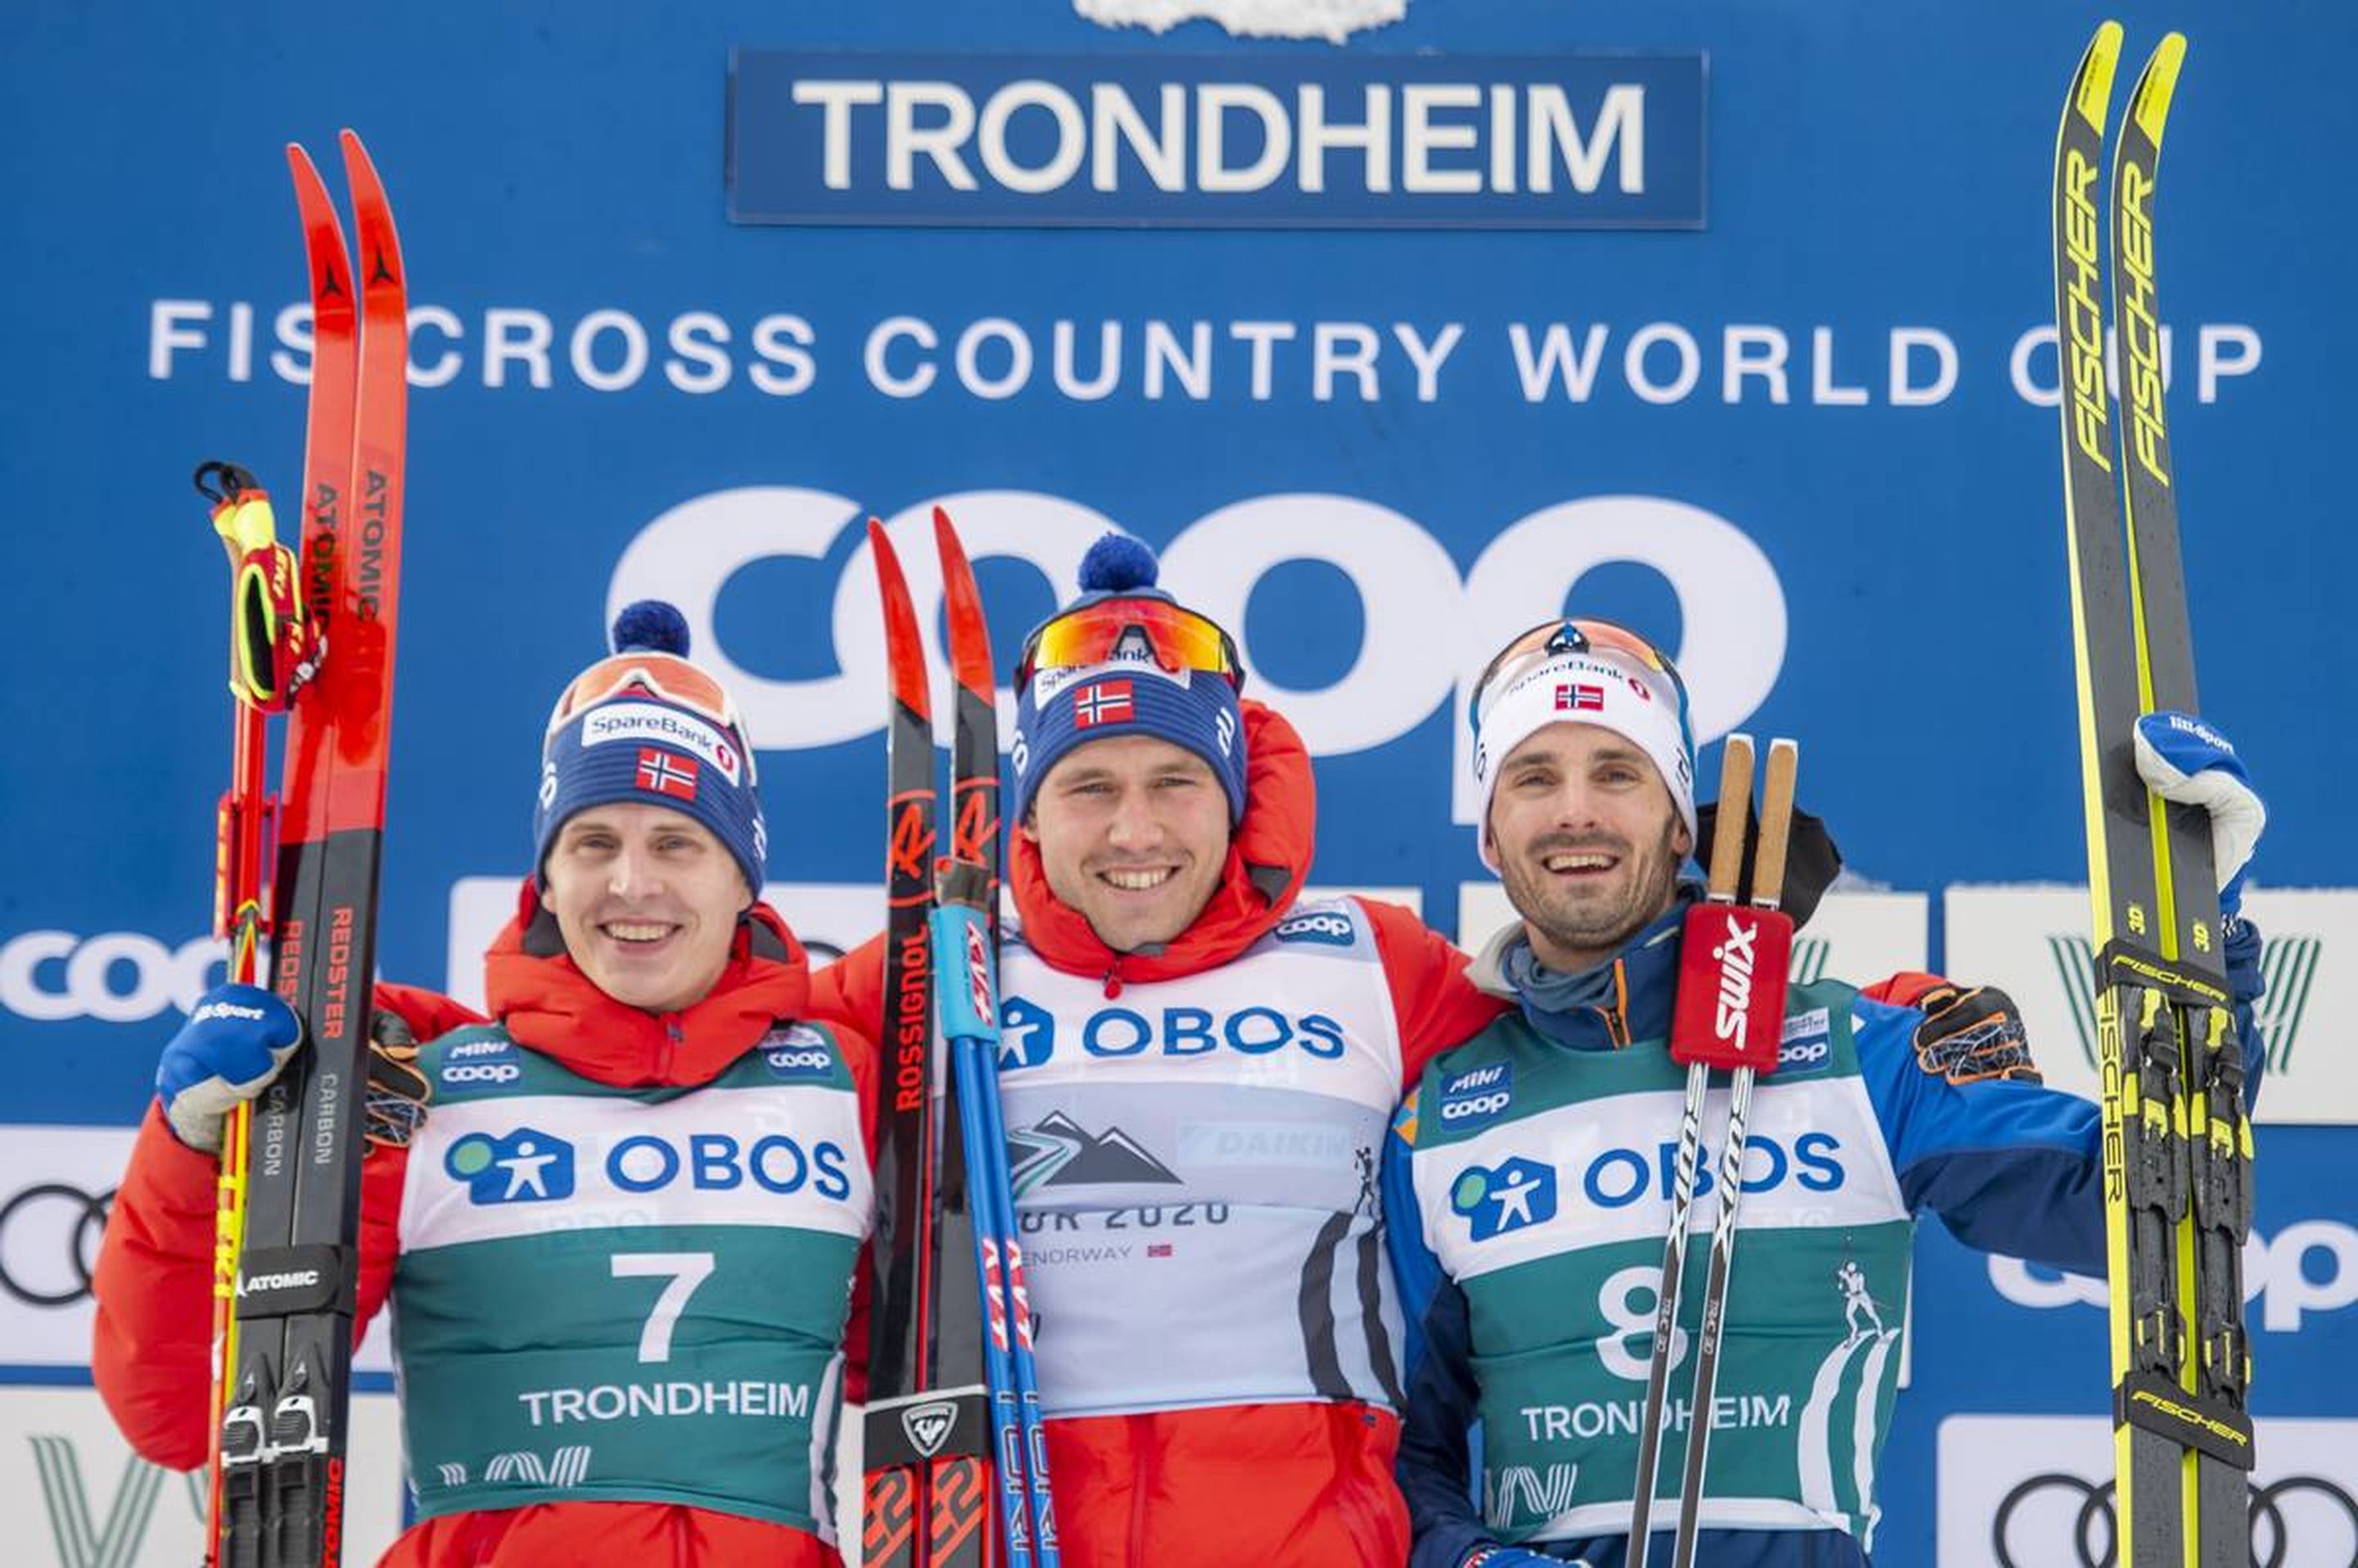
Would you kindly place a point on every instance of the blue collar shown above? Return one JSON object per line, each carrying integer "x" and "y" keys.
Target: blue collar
{"x": 1627, "y": 998}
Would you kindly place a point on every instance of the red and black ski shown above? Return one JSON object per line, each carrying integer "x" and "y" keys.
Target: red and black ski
{"x": 283, "y": 1438}
{"x": 926, "y": 1492}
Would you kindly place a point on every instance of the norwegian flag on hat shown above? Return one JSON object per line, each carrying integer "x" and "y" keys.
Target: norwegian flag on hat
{"x": 1573, "y": 697}
{"x": 667, "y": 773}
{"x": 1102, "y": 702}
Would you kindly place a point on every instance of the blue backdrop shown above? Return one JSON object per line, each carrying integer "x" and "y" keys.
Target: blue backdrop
{"x": 1808, "y": 439}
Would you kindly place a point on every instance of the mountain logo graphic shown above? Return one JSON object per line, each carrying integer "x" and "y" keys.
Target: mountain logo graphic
{"x": 1058, "y": 1152}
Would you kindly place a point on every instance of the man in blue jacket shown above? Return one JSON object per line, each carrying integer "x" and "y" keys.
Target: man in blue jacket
{"x": 1527, "y": 1179}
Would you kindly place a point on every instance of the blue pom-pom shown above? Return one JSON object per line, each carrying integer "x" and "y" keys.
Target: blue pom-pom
{"x": 650, "y": 626}
{"x": 1117, "y": 564}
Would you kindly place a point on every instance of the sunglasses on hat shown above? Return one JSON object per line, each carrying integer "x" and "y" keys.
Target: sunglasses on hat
{"x": 1562, "y": 635}
{"x": 660, "y": 676}
{"x": 1174, "y": 637}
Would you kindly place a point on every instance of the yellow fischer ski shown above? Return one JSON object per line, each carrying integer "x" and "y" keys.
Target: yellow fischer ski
{"x": 2176, "y": 1144}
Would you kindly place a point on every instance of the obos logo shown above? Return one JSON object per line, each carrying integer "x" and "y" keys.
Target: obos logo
{"x": 1506, "y": 1197}
{"x": 1028, "y": 1032}
{"x": 482, "y": 1061}
{"x": 797, "y": 1053}
{"x": 1619, "y": 1177}
{"x": 1328, "y": 927}
{"x": 523, "y": 1166}
{"x": 1473, "y": 1099}
{"x": 717, "y": 1161}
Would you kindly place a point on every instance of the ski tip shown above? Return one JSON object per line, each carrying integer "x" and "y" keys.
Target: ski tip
{"x": 904, "y": 652}
{"x": 969, "y": 634}
{"x": 2156, "y": 83}
{"x": 2092, "y": 88}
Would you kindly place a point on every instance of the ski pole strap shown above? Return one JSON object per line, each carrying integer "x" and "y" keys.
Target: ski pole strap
{"x": 281, "y": 1281}
{"x": 968, "y": 971}
{"x": 274, "y": 648}
{"x": 2126, "y": 963}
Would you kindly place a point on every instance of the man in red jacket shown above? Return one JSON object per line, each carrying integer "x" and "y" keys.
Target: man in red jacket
{"x": 617, "y": 1224}
{"x": 1197, "y": 1070}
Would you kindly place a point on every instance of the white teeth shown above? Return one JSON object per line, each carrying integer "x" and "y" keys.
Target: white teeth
{"x": 1137, "y": 881}
{"x": 1578, "y": 862}
{"x": 624, "y": 931}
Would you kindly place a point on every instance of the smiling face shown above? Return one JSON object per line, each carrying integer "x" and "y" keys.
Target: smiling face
{"x": 1589, "y": 842}
{"x": 1133, "y": 833}
{"x": 647, "y": 899}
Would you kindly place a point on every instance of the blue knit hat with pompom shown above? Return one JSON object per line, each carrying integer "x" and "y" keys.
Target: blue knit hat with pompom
{"x": 645, "y": 725}
{"x": 1130, "y": 693}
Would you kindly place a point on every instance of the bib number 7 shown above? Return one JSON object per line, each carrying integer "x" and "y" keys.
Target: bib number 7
{"x": 686, "y": 1271}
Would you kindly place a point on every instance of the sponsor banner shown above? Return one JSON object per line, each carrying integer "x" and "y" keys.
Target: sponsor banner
{"x": 2033, "y": 941}
{"x": 1423, "y": 141}
{"x": 76, "y": 1497}
{"x": 2297, "y": 1274}
{"x": 56, "y": 1184}
{"x": 1856, "y": 937}
{"x": 2037, "y": 1492}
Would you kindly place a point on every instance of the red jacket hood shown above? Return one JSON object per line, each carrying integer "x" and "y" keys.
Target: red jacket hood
{"x": 1269, "y": 858}
{"x": 533, "y": 988}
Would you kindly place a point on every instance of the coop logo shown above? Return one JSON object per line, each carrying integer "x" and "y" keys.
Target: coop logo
{"x": 115, "y": 977}
{"x": 1564, "y": 141}
{"x": 1475, "y": 1099}
{"x": 482, "y": 1061}
{"x": 1326, "y": 927}
{"x": 1805, "y": 1044}
{"x": 797, "y": 1053}
{"x": 1414, "y": 597}
{"x": 1030, "y": 1032}
{"x": 2310, "y": 1267}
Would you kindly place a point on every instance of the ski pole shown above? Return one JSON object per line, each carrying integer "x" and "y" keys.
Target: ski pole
{"x": 1726, "y": 866}
{"x": 1747, "y": 962}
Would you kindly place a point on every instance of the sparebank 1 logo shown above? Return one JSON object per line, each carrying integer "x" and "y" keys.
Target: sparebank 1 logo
{"x": 1429, "y": 628}
{"x": 2289, "y": 966}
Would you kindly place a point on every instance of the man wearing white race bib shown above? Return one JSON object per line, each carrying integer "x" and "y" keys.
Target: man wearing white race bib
{"x": 1197, "y": 1072}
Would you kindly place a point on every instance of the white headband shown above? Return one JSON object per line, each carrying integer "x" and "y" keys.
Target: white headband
{"x": 1583, "y": 686}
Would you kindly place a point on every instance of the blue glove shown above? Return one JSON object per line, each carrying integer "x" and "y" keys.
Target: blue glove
{"x": 232, "y": 1046}
{"x": 2184, "y": 760}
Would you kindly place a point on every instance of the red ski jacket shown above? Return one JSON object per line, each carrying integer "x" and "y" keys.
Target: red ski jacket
{"x": 154, "y": 1279}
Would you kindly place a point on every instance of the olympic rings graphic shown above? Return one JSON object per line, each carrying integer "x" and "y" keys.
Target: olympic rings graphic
{"x": 2096, "y": 1529}
{"x": 89, "y": 1221}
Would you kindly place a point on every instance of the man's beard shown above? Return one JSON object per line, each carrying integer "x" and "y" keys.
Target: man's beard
{"x": 1601, "y": 921}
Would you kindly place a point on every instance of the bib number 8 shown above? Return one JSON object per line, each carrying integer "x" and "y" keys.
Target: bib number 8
{"x": 1617, "y": 1304}
{"x": 686, "y": 1271}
